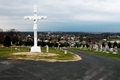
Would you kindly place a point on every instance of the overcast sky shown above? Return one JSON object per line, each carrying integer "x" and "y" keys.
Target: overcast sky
{"x": 63, "y": 15}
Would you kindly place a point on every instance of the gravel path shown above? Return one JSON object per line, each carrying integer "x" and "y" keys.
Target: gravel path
{"x": 91, "y": 67}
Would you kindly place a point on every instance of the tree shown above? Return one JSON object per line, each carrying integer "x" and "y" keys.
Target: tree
{"x": 78, "y": 45}
{"x": 89, "y": 40}
{"x": 87, "y": 45}
{"x": 109, "y": 44}
{"x": 14, "y": 35}
{"x": 56, "y": 44}
{"x": 66, "y": 44}
{"x": 7, "y": 41}
{"x": 41, "y": 43}
{"x": 29, "y": 43}
{"x": 103, "y": 44}
{"x": 115, "y": 44}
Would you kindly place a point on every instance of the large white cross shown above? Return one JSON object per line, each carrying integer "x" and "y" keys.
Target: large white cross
{"x": 35, "y": 18}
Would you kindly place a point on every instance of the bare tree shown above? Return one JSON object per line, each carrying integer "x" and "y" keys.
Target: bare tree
{"x": 14, "y": 35}
{"x": 1, "y": 36}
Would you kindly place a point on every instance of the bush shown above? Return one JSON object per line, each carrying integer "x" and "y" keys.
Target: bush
{"x": 7, "y": 41}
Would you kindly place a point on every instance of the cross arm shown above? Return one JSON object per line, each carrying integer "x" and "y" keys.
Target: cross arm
{"x": 35, "y": 17}
{"x": 28, "y": 17}
{"x": 42, "y": 17}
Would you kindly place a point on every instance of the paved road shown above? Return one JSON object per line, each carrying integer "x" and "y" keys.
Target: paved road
{"x": 91, "y": 67}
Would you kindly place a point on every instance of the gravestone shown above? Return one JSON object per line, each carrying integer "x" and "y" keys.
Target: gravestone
{"x": 65, "y": 51}
{"x": 47, "y": 48}
{"x": 107, "y": 52}
{"x": 35, "y": 18}
{"x": 107, "y": 47}
{"x": 100, "y": 48}
{"x": 89, "y": 48}
{"x": 76, "y": 46}
{"x": 96, "y": 48}
{"x": 115, "y": 50}
{"x": 111, "y": 49}
{"x": 81, "y": 47}
{"x": 2, "y": 46}
{"x": 11, "y": 48}
{"x": 55, "y": 47}
{"x": 104, "y": 49}
{"x": 85, "y": 47}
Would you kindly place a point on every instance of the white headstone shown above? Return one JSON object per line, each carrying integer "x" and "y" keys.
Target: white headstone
{"x": 89, "y": 48}
{"x": 100, "y": 48}
{"x": 107, "y": 47}
{"x": 65, "y": 51}
{"x": 115, "y": 50}
{"x": 11, "y": 48}
{"x": 107, "y": 52}
{"x": 85, "y": 47}
{"x": 104, "y": 49}
{"x": 47, "y": 48}
{"x": 111, "y": 49}
{"x": 76, "y": 46}
{"x": 35, "y": 18}
{"x": 81, "y": 47}
{"x": 96, "y": 47}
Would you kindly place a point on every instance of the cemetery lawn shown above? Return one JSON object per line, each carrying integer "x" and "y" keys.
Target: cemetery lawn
{"x": 56, "y": 55}
{"x": 109, "y": 55}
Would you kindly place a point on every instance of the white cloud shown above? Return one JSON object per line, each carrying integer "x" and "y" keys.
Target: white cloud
{"x": 12, "y": 12}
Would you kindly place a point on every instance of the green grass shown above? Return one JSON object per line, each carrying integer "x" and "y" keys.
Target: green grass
{"x": 113, "y": 39}
{"x": 110, "y": 55}
{"x": 7, "y": 53}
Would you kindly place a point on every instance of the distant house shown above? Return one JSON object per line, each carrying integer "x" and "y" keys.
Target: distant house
{"x": 39, "y": 40}
{"x": 72, "y": 38}
{"x": 62, "y": 41}
{"x": 55, "y": 40}
{"x": 46, "y": 40}
{"x": 90, "y": 42}
{"x": 71, "y": 42}
{"x": 84, "y": 37}
{"x": 104, "y": 39}
{"x": 83, "y": 42}
{"x": 76, "y": 41}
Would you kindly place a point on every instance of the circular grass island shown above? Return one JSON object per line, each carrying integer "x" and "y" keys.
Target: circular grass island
{"x": 54, "y": 55}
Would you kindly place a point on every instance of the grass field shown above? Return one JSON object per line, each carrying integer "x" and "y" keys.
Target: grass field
{"x": 7, "y": 52}
{"x": 110, "y": 55}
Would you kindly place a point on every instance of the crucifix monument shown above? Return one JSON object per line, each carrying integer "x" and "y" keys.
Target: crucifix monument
{"x": 35, "y": 18}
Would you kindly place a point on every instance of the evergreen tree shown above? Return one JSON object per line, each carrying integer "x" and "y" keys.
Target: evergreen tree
{"x": 56, "y": 44}
{"x": 89, "y": 40}
{"x": 119, "y": 45}
{"x": 87, "y": 45}
{"x": 103, "y": 44}
{"x": 115, "y": 44}
{"x": 7, "y": 41}
{"x": 109, "y": 44}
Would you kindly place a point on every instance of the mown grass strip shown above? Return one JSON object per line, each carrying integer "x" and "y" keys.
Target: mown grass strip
{"x": 110, "y": 55}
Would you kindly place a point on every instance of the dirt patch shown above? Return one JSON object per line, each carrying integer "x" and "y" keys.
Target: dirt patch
{"x": 76, "y": 57}
{"x": 33, "y": 53}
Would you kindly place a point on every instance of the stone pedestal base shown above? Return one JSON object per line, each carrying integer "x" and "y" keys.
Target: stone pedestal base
{"x": 35, "y": 49}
